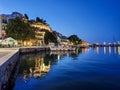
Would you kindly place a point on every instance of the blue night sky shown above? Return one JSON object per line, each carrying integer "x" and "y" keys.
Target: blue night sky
{"x": 91, "y": 20}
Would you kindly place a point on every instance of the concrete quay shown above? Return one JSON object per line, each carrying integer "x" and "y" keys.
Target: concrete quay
{"x": 8, "y": 59}
{"x": 6, "y": 53}
{"x": 33, "y": 49}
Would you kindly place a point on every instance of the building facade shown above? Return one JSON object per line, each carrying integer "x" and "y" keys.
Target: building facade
{"x": 41, "y": 26}
{"x": 4, "y": 20}
{"x": 3, "y": 23}
{"x": 40, "y": 32}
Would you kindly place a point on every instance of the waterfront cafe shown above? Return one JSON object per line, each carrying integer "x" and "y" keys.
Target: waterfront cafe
{"x": 9, "y": 42}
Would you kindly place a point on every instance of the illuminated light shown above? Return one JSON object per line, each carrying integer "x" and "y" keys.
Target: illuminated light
{"x": 25, "y": 43}
{"x": 97, "y": 50}
{"x": 109, "y": 50}
{"x": 58, "y": 57}
{"x": 104, "y": 43}
{"x": 109, "y": 43}
{"x": 28, "y": 43}
{"x": 104, "y": 50}
{"x": 119, "y": 50}
{"x": 115, "y": 50}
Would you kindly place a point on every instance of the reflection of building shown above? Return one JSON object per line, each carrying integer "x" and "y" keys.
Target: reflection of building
{"x": 40, "y": 69}
{"x": 109, "y": 50}
{"x": 84, "y": 50}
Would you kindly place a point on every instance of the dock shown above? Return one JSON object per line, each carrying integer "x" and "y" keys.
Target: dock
{"x": 32, "y": 49}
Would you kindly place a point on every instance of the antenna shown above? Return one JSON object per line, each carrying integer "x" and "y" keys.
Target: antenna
{"x": 114, "y": 40}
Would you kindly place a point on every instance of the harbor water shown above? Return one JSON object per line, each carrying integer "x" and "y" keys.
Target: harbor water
{"x": 85, "y": 69}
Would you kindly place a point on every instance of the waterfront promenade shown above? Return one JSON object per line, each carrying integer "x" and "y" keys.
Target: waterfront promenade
{"x": 6, "y": 53}
{"x": 8, "y": 59}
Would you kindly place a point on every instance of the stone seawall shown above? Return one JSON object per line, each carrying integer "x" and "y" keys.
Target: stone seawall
{"x": 33, "y": 49}
{"x": 6, "y": 68}
{"x": 9, "y": 60}
{"x": 8, "y": 63}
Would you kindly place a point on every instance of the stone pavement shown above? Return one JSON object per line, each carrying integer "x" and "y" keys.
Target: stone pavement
{"x": 8, "y": 59}
{"x": 2, "y": 54}
{"x": 6, "y": 53}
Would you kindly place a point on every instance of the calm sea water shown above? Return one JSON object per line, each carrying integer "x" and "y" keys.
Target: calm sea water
{"x": 87, "y": 69}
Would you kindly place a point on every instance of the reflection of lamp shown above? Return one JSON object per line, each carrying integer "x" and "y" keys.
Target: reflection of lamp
{"x": 58, "y": 57}
{"x": 109, "y": 49}
{"x": 104, "y": 50}
{"x": 115, "y": 50}
{"x": 97, "y": 50}
{"x": 119, "y": 50}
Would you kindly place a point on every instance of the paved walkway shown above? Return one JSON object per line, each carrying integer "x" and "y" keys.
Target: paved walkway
{"x": 2, "y": 54}
{"x": 6, "y": 53}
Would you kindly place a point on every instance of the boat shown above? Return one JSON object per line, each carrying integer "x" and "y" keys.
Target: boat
{"x": 62, "y": 48}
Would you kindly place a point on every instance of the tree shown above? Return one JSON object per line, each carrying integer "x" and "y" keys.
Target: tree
{"x": 38, "y": 19}
{"x": 19, "y": 30}
{"x": 41, "y": 20}
{"x": 49, "y": 37}
{"x": 26, "y": 16}
{"x": 75, "y": 39}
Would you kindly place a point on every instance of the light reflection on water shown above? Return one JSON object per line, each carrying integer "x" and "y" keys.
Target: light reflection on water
{"x": 116, "y": 50}
{"x": 39, "y": 69}
{"x": 119, "y": 50}
{"x": 85, "y": 69}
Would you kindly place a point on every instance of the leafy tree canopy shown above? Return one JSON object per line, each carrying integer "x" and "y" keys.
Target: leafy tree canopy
{"x": 26, "y": 16}
{"x": 75, "y": 39}
{"x": 19, "y": 30}
{"x": 50, "y": 37}
{"x": 41, "y": 20}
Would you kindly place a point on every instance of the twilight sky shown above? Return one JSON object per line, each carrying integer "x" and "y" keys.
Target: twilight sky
{"x": 92, "y": 20}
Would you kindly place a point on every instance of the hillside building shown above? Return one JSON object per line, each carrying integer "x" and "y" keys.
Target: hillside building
{"x": 4, "y": 20}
